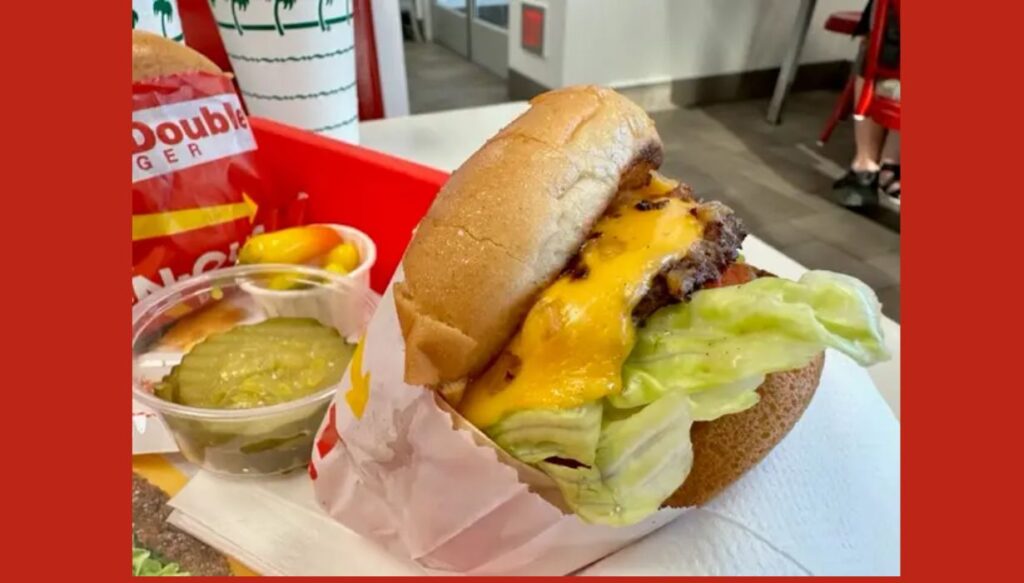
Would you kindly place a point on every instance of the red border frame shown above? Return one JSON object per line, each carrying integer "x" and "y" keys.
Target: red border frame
{"x": 65, "y": 475}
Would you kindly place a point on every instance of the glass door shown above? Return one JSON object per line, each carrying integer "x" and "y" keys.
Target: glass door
{"x": 450, "y": 24}
{"x": 488, "y": 35}
{"x": 475, "y": 29}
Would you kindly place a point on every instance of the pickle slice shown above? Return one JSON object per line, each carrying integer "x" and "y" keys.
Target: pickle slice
{"x": 274, "y": 361}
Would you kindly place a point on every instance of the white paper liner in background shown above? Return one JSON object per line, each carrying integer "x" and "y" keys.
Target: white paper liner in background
{"x": 158, "y": 17}
{"x": 295, "y": 65}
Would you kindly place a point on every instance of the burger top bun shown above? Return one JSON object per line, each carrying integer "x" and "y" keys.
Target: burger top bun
{"x": 154, "y": 56}
{"x": 508, "y": 221}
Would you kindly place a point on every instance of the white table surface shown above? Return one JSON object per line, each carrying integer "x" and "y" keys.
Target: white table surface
{"x": 444, "y": 140}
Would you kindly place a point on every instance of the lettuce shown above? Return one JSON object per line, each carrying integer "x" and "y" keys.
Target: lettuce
{"x": 535, "y": 435}
{"x": 731, "y": 334}
{"x": 640, "y": 460}
{"x": 144, "y": 564}
{"x": 692, "y": 362}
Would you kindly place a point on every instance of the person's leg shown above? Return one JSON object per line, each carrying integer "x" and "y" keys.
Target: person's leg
{"x": 889, "y": 172}
{"x": 891, "y": 149}
{"x": 860, "y": 183}
{"x": 868, "y": 137}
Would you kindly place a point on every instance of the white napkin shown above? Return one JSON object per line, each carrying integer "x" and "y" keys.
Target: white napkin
{"x": 824, "y": 502}
{"x": 275, "y": 527}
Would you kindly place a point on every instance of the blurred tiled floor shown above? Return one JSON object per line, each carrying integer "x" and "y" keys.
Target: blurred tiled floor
{"x": 775, "y": 177}
{"x": 440, "y": 79}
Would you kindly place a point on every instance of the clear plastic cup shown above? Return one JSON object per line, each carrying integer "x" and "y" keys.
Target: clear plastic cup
{"x": 256, "y": 441}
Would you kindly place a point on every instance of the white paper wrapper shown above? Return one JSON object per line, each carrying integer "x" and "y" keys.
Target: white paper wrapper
{"x": 401, "y": 476}
{"x": 295, "y": 64}
{"x": 158, "y": 17}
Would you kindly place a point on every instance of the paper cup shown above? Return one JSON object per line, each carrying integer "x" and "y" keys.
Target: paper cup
{"x": 332, "y": 306}
{"x": 295, "y": 64}
{"x": 158, "y": 17}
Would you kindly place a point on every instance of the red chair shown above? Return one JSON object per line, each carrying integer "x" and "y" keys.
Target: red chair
{"x": 883, "y": 109}
{"x": 843, "y": 23}
{"x": 371, "y": 100}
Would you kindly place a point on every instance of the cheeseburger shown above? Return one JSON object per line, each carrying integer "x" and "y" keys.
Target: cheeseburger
{"x": 596, "y": 321}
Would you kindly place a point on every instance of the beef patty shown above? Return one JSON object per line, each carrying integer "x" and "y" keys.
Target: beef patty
{"x": 705, "y": 261}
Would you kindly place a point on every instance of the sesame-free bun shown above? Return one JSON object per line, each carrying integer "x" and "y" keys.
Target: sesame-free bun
{"x": 507, "y": 222}
{"x": 155, "y": 56}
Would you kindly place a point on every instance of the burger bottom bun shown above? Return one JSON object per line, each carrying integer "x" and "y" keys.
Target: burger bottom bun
{"x": 724, "y": 449}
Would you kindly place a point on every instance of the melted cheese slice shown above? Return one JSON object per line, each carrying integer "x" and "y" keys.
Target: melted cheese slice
{"x": 574, "y": 340}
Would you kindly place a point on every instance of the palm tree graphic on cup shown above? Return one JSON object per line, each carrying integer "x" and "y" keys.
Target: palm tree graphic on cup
{"x": 289, "y": 4}
{"x": 241, "y": 5}
{"x": 166, "y": 11}
{"x": 135, "y": 18}
{"x": 320, "y": 13}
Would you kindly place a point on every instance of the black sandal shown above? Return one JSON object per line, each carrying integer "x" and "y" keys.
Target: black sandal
{"x": 861, "y": 187}
{"x": 891, "y": 186}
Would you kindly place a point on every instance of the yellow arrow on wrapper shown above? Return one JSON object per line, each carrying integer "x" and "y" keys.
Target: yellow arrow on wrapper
{"x": 359, "y": 394}
{"x": 174, "y": 222}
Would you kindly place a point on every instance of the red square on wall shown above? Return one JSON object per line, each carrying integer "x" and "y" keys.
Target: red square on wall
{"x": 532, "y": 30}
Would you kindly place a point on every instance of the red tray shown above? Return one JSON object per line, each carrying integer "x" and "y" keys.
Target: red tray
{"x": 381, "y": 195}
